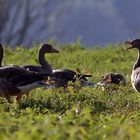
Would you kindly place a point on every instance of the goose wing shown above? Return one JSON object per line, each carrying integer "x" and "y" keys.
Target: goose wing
{"x": 69, "y": 74}
{"x": 18, "y": 75}
{"x": 33, "y": 68}
{"x": 64, "y": 74}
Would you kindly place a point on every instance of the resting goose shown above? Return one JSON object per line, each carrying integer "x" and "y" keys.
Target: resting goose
{"x": 114, "y": 78}
{"x": 15, "y": 80}
{"x": 135, "y": 76}
{"x": 63, "y": 76}
{"x": 45, "y": 66}
{"x": 111, "y": 81}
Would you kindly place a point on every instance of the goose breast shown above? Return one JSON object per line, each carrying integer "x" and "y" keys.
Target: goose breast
{"x": 135, "y": 79}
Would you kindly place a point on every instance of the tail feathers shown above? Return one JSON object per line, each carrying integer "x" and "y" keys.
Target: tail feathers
{"x": 83, "y": 75}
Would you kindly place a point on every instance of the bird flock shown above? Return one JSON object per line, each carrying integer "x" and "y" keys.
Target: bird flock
{"x": 19, "y": 80}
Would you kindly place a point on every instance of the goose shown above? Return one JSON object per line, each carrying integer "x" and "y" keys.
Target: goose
{"x": 63, "y": 76}
{"x": 44, "y": 65}
{"x": 111, "y": 81}
{"x": 135, "y": 75}
{"x": 114, "y": 78}
{"x": 16, "y": 81}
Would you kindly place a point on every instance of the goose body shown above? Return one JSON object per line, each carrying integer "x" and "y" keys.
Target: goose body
{"x": 112, "y": 78}
{"x": 63, "y": 76}
{"x": 135, "y": 79}
{"x": 135, "y": 76}
{"x": 112, "y": 81}
{"x": 44, "y": 65}
{"x": 15, "y": 80}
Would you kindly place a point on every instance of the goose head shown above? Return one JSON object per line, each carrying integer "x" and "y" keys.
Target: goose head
{"x": 134, "y": 44}
{"x": 46, "y": 48}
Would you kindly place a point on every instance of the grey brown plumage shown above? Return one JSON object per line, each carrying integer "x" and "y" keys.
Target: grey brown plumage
{"x": 63, "y": 76}
{"x": 111, "y": 82}
{"x": 135, "y": 76}
{"x": 14, "y": 79}
{"x": 114, "y": 78}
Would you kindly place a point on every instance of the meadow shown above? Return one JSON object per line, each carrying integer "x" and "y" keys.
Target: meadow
{"x": 80, "y": 114}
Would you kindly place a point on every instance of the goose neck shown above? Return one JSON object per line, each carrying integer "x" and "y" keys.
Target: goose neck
{"x": 46, "y": 66}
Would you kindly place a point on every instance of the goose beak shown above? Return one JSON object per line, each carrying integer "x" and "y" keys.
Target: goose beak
{"x": 101, "y": 83}
{"x": 129, "y": 43}
{"x": 53, "y": 50}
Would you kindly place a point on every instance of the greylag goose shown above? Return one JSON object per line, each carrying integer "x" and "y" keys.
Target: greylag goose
{"x": 63, "y": 76}
{"x": 15, "y": 80}
{"x": 114, "y": 78}
{"x": 44, "y": 65}
{"x": 111, "y": 81}
{"x": 135, "y": 76}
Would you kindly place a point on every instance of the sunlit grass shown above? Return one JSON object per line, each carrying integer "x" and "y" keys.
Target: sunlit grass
{"x": 86, "y": 113}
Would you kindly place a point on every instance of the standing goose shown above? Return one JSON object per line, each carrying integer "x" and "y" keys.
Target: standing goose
{"x": 45, "y": 66}
{"x": 135, "y": 76}
{"x": 15, "y": 81}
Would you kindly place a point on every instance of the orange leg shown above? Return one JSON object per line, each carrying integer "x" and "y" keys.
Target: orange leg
{"x": 18, "y": 98}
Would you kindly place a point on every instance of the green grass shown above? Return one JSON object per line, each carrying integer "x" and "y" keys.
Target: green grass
{"x": 87, "y": 113}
